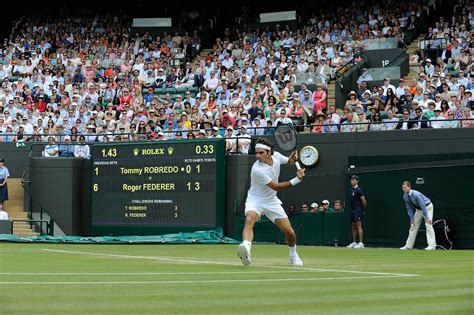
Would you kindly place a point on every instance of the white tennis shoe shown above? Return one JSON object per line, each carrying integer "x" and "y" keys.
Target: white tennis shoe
{"x": 243, "y": 252}
{"x": 360, "y": 245}
{"x": 351, "y": 245}
{"x": 296, "y": 261}
{"x": 430, "y": 248}
{"x": 405, "y": 248}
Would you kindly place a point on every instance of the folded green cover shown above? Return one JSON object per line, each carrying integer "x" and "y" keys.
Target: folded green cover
{"x": 199, "y": 237}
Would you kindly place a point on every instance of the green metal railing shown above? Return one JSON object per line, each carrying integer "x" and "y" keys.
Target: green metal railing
{"x": 42, "y": 210}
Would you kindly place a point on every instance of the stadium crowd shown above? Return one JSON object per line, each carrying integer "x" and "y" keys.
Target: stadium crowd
{"x": 91, "y": 77}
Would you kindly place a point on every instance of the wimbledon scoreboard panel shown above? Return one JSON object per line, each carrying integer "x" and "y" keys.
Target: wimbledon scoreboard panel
{"x": 157, "y": 187}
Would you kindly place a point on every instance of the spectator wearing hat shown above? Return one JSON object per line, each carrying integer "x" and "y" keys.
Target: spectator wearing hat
{"x": 161, "y": 136}
{"x": 215, "y": 133}
{"x": 326, "y": 206}
{"x": 366, "y": 100}
{"x": 352, "y": 100}
{"x": 66, "y": 149}
{"x": 429, "y": 68}
{"x": 314, "y": 208}
{"x": 202, "y": 134}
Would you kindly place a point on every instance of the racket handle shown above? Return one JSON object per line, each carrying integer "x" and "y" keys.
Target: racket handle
{"x": 298, "y": 165}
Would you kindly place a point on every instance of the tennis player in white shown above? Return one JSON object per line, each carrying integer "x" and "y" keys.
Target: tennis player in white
{"x": 262, "y": 199}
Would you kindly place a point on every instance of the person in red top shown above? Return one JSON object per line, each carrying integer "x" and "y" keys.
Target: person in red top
{"x": 227, "y": 120}
{"x": 126, "y": 98}
{"x": 319, "y": 99}
{"x": 40, "y": 104}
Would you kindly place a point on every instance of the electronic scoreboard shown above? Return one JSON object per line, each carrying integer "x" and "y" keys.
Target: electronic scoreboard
{"x": 143, "y": 188}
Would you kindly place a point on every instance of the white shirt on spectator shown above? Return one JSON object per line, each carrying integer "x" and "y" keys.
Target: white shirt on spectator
{"x": 211, "y": 83}
{"x": 390, "y": 123}
{"x": 3, "y": 215}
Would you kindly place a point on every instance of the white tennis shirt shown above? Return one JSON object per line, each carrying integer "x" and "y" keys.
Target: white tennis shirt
{"x": 260, "y": 176}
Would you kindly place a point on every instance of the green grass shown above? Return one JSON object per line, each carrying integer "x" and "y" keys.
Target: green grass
{"x": 176, "y": 280}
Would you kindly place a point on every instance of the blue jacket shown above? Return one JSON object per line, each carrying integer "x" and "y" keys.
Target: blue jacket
{"x": 416, "y": 200}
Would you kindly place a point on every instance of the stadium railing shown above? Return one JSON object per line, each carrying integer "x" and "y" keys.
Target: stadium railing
{"x": 40, "y": 221}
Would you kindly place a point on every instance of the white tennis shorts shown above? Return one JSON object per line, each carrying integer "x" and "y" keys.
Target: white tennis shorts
{"x": 271, "y": 211}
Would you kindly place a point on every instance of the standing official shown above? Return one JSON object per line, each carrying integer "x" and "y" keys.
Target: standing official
{"x": 418, "y": 207}
{"x": 4, "y": 174}
{"x": 358, "y": 206}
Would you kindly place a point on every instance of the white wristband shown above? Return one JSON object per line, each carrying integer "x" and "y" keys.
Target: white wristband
{"x": 295, "y": 181}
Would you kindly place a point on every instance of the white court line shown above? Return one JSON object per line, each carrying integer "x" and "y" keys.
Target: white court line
{"x": 142, "y": 273}
{"x": 229, "y": 264}
{"x": 198, "y": 281}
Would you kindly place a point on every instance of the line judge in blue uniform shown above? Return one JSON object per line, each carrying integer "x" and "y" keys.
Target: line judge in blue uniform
{"x": 358, "y": 206}
{"x": 419, "y": 207}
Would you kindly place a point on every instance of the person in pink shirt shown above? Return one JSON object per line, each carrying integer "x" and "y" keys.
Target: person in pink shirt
{"x": 319, "y": 97}
{"x": 90, "y": 74}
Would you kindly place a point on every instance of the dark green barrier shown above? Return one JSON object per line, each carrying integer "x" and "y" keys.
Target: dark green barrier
{"x": 336, "y": 225}
{"x": 449, "y": 188}
{"x": 310, "y": 229}
{"x": 264, "y": 230}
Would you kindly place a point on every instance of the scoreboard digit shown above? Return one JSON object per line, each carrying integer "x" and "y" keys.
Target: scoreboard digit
{"x": 157, "y": 187}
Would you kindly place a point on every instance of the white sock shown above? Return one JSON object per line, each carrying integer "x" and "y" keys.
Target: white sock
{"x": 248, "y": 243}
{"x": 292, "y": 250}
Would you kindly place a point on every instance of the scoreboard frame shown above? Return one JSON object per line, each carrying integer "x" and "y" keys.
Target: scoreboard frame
{"x": 136, "y": 229}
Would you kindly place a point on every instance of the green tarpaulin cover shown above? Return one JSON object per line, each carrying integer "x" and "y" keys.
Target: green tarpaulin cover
{"x": 199, "y": 237}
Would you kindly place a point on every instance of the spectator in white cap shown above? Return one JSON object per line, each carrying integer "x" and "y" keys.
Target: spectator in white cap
{"x": 429, "y": 68}
{"x": 326, "y": 207}
{"x": 215, "y": 133}
{"x": 161, "y": 136}
{"x": 314, "y": 207}
{"x": 90, "y": 133}
{"x": 66, "y": 149}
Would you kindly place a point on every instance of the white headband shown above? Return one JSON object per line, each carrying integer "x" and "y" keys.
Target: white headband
{"x": 263, "y": 146}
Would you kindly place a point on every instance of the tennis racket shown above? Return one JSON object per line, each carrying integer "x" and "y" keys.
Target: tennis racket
{"x": 285, "y": 137}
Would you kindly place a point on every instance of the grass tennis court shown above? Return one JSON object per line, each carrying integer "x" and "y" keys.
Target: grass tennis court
{"x": 209, "y": 279}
